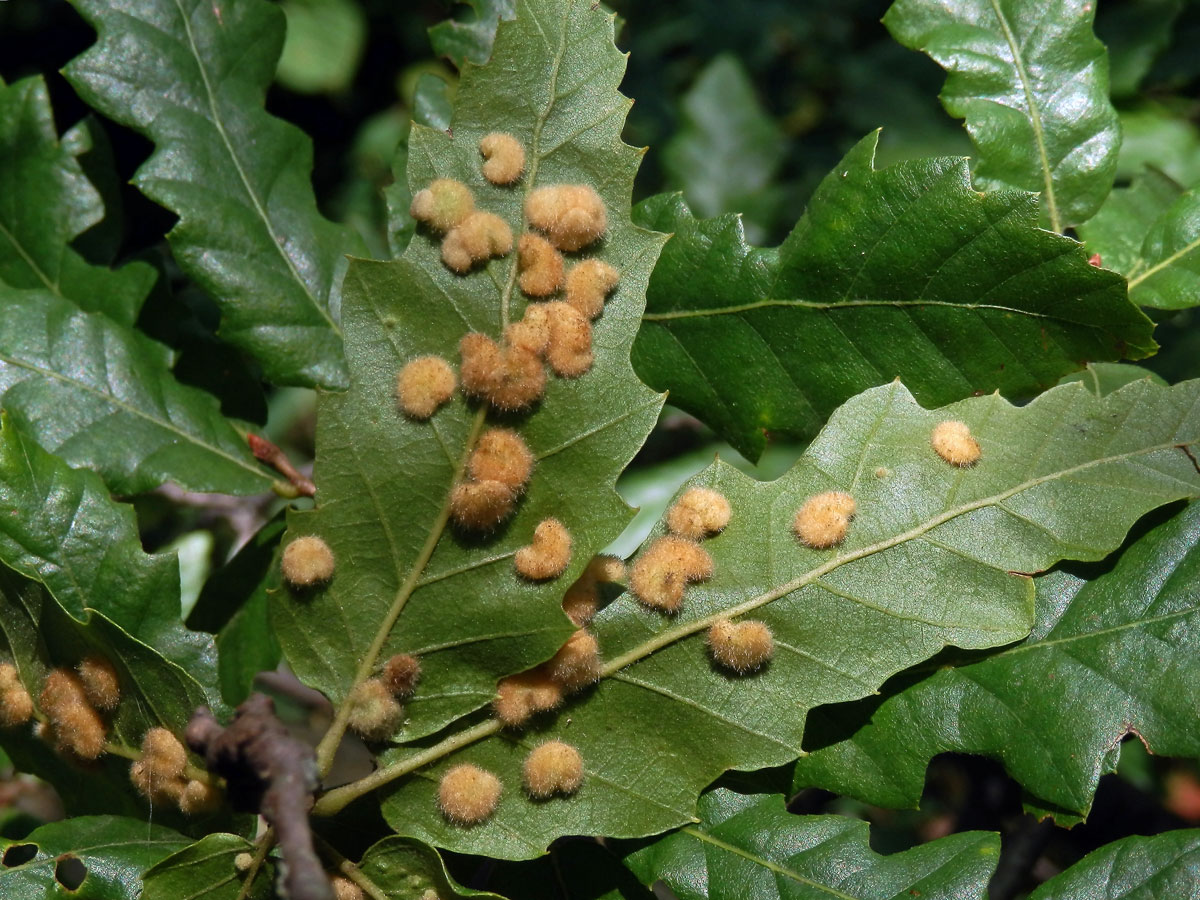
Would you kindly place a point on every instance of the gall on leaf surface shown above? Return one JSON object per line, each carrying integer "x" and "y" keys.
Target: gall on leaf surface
{"x": 192, "y": 77}
{"x": 898, "y": 272}
{"x": 206, "y": 870}
{"x": 1110, "y": 656}
{"x": 1031, "y": 80}
{"x": 384, "y": 480}
{"x": 932, "y": 558}
{"x": 38, "y": 635}
{"x": 115, "y": 852}
{"x": 751, "y": 846}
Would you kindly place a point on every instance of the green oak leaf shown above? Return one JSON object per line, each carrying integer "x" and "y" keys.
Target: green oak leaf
{"x": 1159, "y": 136}
{"x": 1104, "y": 378}
{"x": 384, "y": 480}
{"x": 1108, "y": 657}
{"x": 898, "y": 272}
{"x": 98, "y": 857}
{"x": 46, "y": 201}
{"x": 89, "y": 143}
{"x": 1135, "y": 34}
{"x": 59, "y": 526}
{"x": 205, "y": 870}
{"x": 933, "y": 558}
{"x": 192, "y": 77}
{"x": 1133, "y": 868}
{"x": 470, "y": 39}
{"x": 102, "y": 396}
{"x": 404, "y": 869}
{"x": 36, "y": 635}
{"x": 751, "y": 846}
{"x": 1031, "y": 80}
{"x": 728, "y": 149}
{"x": 1118, "y": 231}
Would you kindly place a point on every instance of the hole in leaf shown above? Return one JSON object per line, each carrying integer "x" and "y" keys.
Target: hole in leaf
{"x": 70, "y": 871}
{"x": 19, "y": 854}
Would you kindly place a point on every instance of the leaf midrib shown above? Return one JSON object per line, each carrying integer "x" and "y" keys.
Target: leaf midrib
{"x": 1035, "y": 117}
{"x": 219, "y": 124}
{"x": 52, "y": 286}
{"x": 845, "y": 304}
{"x": 165, "y": 424}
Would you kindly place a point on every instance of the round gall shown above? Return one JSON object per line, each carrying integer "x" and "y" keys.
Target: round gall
{"x": 468, "y": 795}
{"x": 505, "y": 157}
{"x": 423, "y": 385}
{"x": 665, "y": 568}
{"x": 952, "y": 441}
{"x": 307, "y": 561}
{"x": 699, "y": 513}
{"x": 548, "y": 555}
{"x": 740, "y": 646}
{"x": 552, "y": 768}
{"x": 824, "y": 519}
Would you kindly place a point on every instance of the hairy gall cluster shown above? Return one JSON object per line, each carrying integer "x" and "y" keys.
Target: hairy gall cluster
{"x": 477, "y": 238}
{"x": 548, "y": 555}
{"x": 665, "y": 568}
{"x": 160, "y": 775}
{"x": 375, "y": 713}
{"x": 700, "y": 512}
{"x": 582, "y": 600}
{"x": 401, "y": 673}
{"x": 498, "y": 470}
{"x": 520, "y": 696}
{"x": 569, "y": 352}
{"x": 424, "y": 384}
{"x": 74, "y": 724}
{"x": 468, "y": 795}
{"x": 540, "y": 265}
{"x": 824, "y": 519}
{"x": 740, "y": 646}
{"x": 307, "y": 562}
{"x": 443, "y": 204}
{"x": 588, "y": 285}
{"x": 505, "y": 157}
{"x": 952, "y": 441}
{"x": 16, "y": 706}
{"x": 577, "y": 662}
{"x": 552, "y": 768}
{"x": 572, "y": 216}
{"x": 508, "y": 378}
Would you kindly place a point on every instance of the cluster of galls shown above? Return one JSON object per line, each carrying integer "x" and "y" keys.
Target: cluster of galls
{"x": 72, "y": 707}
{"x": 375, "y": 709}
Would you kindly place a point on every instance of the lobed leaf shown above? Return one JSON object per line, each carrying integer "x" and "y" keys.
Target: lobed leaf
{"x": 401, "y": 868}
{"x": 1118, "y": 231}
{"x": 1031, "y": 80}
{"x": 102, "y": 396}
{"x": 46, "y": 201}
{"x": 932, "y": 559}
{"x": 1108, "y": 657}
{"x": 205, "y": 870}
{"x": 1133, "y": 868}
{"x": 192, "y": 77}
{"x": 470, "y": 39}
{"x": 384, "y": 480}
{"x": 63, "y": 529}
{"x": 901, "y": 272}
{"x": 36, "y": 635}
{"x": 751, "y": 846}
{"x": 110, "y": 853}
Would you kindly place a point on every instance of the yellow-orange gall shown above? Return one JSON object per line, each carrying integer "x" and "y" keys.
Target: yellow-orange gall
{"x": 505, "y": 157}
{"x": 480, "y": 505}
{"x": 589, "y": 283}
{"x": 501, "y": 455}
{"x": 952, "y": 441}
{"x": 571, "y": 215}
{"x": 548, "y": 555}
{"x": 468, "y": 795}
{"x": 520, "y": 696}
{"x": 307, "y": 561}
{"x": 509, "y": 378}
{"x": 401, "y": 674}
{"x": 552, "y": 768}
{"x": 824, "y": 519}
{"x": 577, "y": 662}
{"x": 532, "y": 333}
{"x": 154, "y": 787}
{"x": 243, "y": 861}
{"x": 480, "y": 236}
{"x": 424, "y": 384}
{"x": 374, "y": 714}
{"x": 569, "y": 352}
{"x": 198, "y": 797}
{"x": 76, "y": 726}
{"x": 665, "y": 568}
{"x": 582, "y": 598}
{"x": 101, "y": 685}
{"x": 164, "y": 753}
{"x": 541, "y": 266}
{"x": 16, "y": 706}
{"x": 443, "y": 204}
{"x": 741, "y": 646}
{"x": 698, "y": 513}
{"x": 345, "y": 889}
